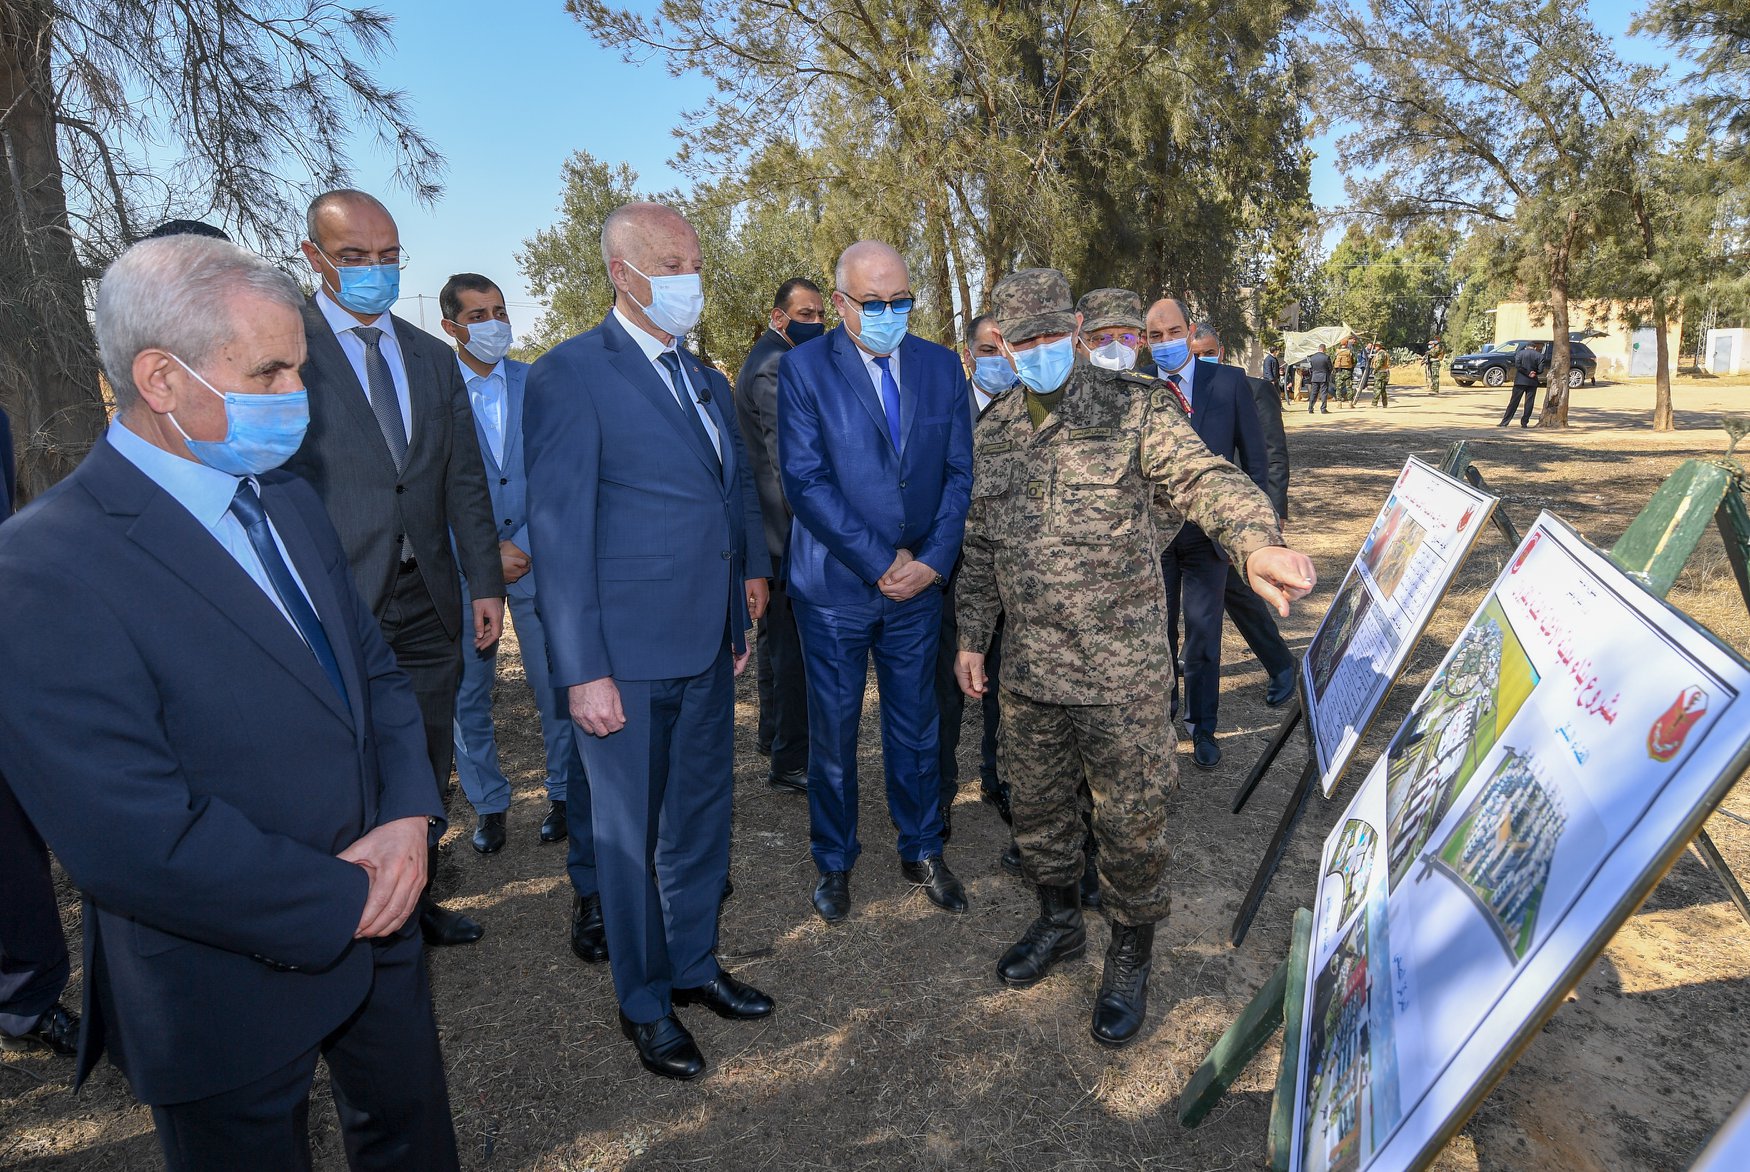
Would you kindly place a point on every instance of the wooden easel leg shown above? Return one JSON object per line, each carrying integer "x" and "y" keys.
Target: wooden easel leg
{"x": 1288, "y": 1074}
{"x": 1499, "y": 517}
{"x": 1273, "y": 855}
{"x": 1244, "y": 793}
{"x": 1710, "y": 854}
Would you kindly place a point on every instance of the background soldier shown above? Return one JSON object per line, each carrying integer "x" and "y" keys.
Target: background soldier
{"x": 1063, "y": 537}
{"x": 1431, "y": 360}
{"x": 1343, "y": 369}
{"x": 1381, "y": 367}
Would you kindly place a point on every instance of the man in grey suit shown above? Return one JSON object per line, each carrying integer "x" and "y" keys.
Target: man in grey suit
{"x": 391, "y": 451}
{"x": 796, "y": 317}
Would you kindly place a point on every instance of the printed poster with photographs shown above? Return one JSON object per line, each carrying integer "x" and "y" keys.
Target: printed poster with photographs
{"x": 1569, "y": 746}
{"x": 1419, "y": 540}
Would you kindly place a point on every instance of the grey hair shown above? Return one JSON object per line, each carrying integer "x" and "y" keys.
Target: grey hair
{"x": 339, "y": 196}
{"x": 175, "y": 294}
{"x": 1205, "y": 331}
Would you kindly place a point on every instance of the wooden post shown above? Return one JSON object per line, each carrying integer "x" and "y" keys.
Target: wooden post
{"x": 1288, "y": 1074}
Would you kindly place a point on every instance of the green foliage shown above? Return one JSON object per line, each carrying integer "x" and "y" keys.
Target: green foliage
{"x": 1393, "y": 291}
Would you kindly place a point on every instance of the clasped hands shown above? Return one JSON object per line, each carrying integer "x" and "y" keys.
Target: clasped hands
{"x": 906, "y": 578}
{"x": 393, "y": 857}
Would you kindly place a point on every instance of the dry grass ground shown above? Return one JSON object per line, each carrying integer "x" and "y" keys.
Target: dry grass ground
{"x": 894, "y": 1045}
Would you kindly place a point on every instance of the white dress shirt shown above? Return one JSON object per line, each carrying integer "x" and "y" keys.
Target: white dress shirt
{"x": 489, "y": 395}
{"x": 353, "y": 346}
{"x": 684, "y": 395}
{"x": 206, "y": 493}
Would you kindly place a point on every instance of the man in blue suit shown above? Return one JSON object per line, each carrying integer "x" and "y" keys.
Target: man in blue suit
{"x": 1220, "y": 404}
{"x": 875, "y": 443}
{"x": 204, "y": 721}
{"x": 476, "y": 317}
{"x": 653, "y": 565}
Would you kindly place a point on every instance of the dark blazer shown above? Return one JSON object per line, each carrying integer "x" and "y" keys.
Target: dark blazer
{"x": 190, "y": 764}
{"x": 441, "y": 489}
{"x": 645, "y": 542}
{"x": 1268, "y": 401}
{"x": 1223, "y": 414}
{"x": 1272, "y": 369}
{"x": 508, "y": 483}
{"x": 1530, "y": 364}
{"x": 856, "y": 500}
{"x": 756, "y": 408}
{"x": 1318, "y": 367}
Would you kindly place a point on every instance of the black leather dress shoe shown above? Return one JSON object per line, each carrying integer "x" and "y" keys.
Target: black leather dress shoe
{"x": 664, "y": 1047}
{"x": 1281, "y": 689}
{"x": 938, "y": 882}
{"x": 1205, "y": 753}
{"x": 589, "y": 938}
{"x": 790, "y": 780}
{"x": 726, "y": 997}
{"x": 57, "y": 1029}
{"x": 832, "y": 896}
{"x": 489, "y": 833}
{"x": 443, "y": 928}
{"x": 553, "y": 825}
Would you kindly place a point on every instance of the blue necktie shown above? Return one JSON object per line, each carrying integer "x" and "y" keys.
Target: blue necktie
{"x": 246, "y": 507}
{"x": 684, "y": 400}
{"x": 889, "y": 398}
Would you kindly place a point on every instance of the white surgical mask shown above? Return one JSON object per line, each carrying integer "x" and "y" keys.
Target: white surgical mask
{"x": 488, "y": 340}
{"x": 1114, "y": 355}
{"x": 676, "y": 302}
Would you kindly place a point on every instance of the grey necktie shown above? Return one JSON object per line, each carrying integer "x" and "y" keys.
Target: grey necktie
{"x": 381, "y": 388}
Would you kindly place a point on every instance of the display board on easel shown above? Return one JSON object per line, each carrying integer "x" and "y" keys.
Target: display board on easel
{"x": 1570, "y": 745}
{"x": 1423, "y": 534}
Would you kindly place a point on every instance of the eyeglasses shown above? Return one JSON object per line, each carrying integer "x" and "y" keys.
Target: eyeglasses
{"x": 361, "y": 260}
{"x": 1106, "y": 337}
{"x": 877, "y": 308}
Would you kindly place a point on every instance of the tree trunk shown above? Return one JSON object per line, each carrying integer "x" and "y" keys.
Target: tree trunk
{"x": 1664, "y": 419}
{"x": 48, "y": 370}
{"x": 1555, "y": 399}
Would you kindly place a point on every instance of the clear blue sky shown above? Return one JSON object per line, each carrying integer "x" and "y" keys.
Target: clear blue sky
{"x": 509, "y": 90}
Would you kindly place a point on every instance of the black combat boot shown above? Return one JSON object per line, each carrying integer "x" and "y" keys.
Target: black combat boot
{"x": 1123, "y": 999}
{"x": 1056, "y": 935}
{"x": 1090, "y": 886}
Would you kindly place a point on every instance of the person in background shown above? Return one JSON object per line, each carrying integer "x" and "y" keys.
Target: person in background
{"x": 1317, "y": 379}
{"x": 391, "y": 450}
{"x": 1381, "y": 367}
{"x": 798, "y": 316}
{"x": 205, "y": 722}
{"x": 1432, "y": 357}
{"x": 1530, "y": 364}
{"x": 1112, "y": 333}
{"x": 1273, "y": 376}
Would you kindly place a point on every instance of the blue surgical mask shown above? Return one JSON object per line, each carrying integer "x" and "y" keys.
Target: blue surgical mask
{"x": 882, "y": 335}
{"x": 261, "y": 431}
{"x": 992, "y": 374}
{"x": 1171, "y": 356}
{"x": 1209, "y": 358}
{"x": 368, "y": 289}
{"x": 1044, "y": 369}
{"x": 803, "y": 331}
{"x": 488, "y": 340}
{"x": 677, "y": 301}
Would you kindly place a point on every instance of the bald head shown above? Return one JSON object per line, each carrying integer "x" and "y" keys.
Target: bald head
{"x": 333, "y": 213}
{"x": 1169, "y": 318}
{"x": 870, "y": 262}
{"x": 638, "y": 232}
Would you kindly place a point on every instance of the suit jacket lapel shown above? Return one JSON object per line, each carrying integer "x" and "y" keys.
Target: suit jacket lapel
{"x": 422, "y": 390}
{"x": 849, "y": 361}
{"x": 715, "y": 409}
{"x": 910, "y": 389}
{"x": 338, "y": 383}
{"x": 515, "y": 377}
{"x": 629, "y": 360}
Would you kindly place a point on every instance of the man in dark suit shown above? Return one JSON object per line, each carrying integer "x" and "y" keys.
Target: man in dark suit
{"x": 796, "y": 316}
{"x": 391, "y": 451}
{"x": 1273, "y": 375}
{"x": 204, "y": 721}
{"x": 875, "y": 444}
{"x": 1529, "y": 365}
{"x": 1318, "y": 381}
{"x": 1220, "y": 404}
{"x": 653, "y": 566}
{"x": 1251, "y": 616}
{"x": 33, "y": 950}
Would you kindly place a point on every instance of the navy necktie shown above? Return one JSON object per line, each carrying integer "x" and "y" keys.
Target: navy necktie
{"x": 246, "y": 507}
{"x": 672, "y": 362}
{"x": 1184, "y": 399}
{"x": 889, "y": 398}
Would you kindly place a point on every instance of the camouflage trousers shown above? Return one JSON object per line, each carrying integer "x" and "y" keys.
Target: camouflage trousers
{"x": 1380, "y": 382}
{"x": 1433, "y": 375}
{"x": 1345, "y": 384}
{"x": 1127, "y": 756}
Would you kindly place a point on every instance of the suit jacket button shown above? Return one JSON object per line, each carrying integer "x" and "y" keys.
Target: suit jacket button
{"x": 400, "y": 488}
{"x": 508, "y": 521}
{"x": 725, "y": 555}
{"x": 905, "y": 484}
{"x": 503, "y": 480}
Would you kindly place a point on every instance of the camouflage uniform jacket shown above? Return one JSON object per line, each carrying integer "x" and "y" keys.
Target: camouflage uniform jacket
{"x": 1066, "y": 528}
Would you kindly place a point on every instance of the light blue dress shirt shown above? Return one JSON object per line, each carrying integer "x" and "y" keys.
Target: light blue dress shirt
{"x": 488, "y": 395}
{"x": 206, "y": 493}
{"x": 353, "y": 346}
{"x": 686, "y": 396}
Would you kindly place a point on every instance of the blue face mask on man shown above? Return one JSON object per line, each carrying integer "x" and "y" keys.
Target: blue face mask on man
{"x": 1044, "y": 369}
{"x": 367, "y": 289}
{"x": 992, "y": 374}
{"x": 261, "y": 431}
{"x": 1171, "y": 356}
{"x": 882, "y": 335}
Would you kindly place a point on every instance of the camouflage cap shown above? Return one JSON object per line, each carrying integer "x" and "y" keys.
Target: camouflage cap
{"x": 1110, "y": 308}
{"x": 1032, "y": 302}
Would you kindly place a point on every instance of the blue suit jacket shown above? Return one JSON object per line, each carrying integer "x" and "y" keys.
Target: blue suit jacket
{"x": 857, "y": 501}
{"x": 1223, "y": 413}
{"x": 644, "y": 545}
{"x": 508, "y": 482}
{"x": 181, "y": 751}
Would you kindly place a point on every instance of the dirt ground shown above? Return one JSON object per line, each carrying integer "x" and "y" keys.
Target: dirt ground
{"x": 894, "y": 1045}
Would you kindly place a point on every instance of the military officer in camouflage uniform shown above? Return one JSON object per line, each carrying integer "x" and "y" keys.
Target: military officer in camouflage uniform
{"x": 1112, "y": 330}
{"x": 1343, "y": 370}
{"x": 1431, "y": 360}
{"x": 1078, "y": 483}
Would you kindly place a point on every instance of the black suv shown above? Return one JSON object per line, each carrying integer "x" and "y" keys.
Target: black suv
{"x": 1493, "y": 366}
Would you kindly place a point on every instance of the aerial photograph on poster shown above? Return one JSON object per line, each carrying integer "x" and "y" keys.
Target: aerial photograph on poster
{"x": 1391, "y": 545}
{"x": 1331, "y": 642}
{"x": 1336, "y": 1107}
{"x": 1352, "y": 863}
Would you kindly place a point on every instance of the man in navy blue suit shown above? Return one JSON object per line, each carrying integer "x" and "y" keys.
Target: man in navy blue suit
{"x": 653, "y": 566}
{"x": 205, "y": 723}
{"x": 875, "y": 444}
{"x": 1220, "y": 403}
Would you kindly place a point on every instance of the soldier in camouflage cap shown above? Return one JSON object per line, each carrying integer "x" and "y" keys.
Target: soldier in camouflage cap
{"x": 1078, "y": 483}
{"x": 1111, "y": 328}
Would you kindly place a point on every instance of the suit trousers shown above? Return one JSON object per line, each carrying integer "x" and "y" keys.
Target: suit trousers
{"x": 1196, "y": 582}
{"x": 950, "y": 702}
{"x": 476, "y": 746}
{"x": 1318, "y": 395}
{"x": 388, "y": 1081}
{"x": 433, "y": 660}
{"x": 660, "y": 796}
{"x": 837, "y": 642}
{"x": 1529, "y": 395}
{"x": 782, "y": 685}
{"x": 1256, "y": 623}
{"x": 33, "y": 951}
